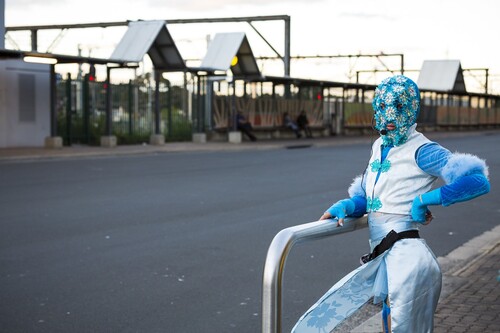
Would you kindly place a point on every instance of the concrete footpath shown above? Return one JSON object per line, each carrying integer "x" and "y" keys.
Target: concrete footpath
{"x": 470, "y": 299}
{"x": 75, "y": 151}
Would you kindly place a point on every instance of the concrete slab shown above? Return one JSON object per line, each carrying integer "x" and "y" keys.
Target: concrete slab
{"x": 235, "y": 137}
{"x": 108, "y": 141}
{"x": 53, "y": 142}
{"x": 199, "y": 137}
{"x": 157, "y": 140}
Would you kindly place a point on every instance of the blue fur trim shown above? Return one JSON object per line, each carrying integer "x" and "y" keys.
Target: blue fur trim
{"x": 356, "y": 188}
{"x": 359, "y": 206}
{"x": 460, "y": 165}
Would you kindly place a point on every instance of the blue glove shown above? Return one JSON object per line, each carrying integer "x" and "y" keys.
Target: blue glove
{"x": 341, "y": 208}
{"x": 419, "y": 207}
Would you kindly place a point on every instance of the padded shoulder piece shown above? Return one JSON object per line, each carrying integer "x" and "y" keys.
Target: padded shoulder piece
{"x": 460, "y": 165}
{"x": 356, "y": 188}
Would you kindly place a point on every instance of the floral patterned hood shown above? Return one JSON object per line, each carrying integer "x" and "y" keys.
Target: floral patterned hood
{"x": 396, "y": 105}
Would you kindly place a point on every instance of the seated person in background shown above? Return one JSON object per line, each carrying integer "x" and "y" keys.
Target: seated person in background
{"x": 288, "y": 122}
{"x": 303, "y": 124}
{"x": 243, "y": 125}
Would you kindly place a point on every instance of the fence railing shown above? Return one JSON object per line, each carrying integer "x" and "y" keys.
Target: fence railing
{"x": 265, "y": 111}
{"x": 276, "y": 257}
{"x": 81, "y": 111}
{"x": 81, "y": 107}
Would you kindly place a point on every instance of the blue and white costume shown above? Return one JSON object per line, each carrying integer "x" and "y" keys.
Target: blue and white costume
{"x": 395, "y": 191}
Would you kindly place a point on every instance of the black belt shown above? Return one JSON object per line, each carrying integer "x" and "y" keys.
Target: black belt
{"x": 387, "y": 242}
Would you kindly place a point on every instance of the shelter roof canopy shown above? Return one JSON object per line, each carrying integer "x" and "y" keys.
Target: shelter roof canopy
{"x": 442, "y": 75}
{"x": 152, "y": 38}
{"x": 222, "y": 52}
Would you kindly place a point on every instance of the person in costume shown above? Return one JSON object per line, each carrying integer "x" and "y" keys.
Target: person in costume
{"x": 395, "y": 191}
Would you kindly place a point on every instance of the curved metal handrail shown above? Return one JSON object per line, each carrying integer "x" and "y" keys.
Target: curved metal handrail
{"x": 276, "y": 258}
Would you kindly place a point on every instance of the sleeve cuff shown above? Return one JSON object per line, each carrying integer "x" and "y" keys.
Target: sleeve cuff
{"x": 431, "y": 198}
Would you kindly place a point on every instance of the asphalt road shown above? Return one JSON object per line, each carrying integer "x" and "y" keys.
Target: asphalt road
{"x": 176, "y": 242}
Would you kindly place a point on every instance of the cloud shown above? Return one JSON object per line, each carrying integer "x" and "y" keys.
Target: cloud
{"x": 26, "y": 4}
{"x": 203, "y": 5}
{"x": 369, "y": 16}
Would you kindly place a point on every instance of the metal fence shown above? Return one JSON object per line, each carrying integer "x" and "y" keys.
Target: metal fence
{"x": 359, "y": 115}
{"x": 265, "y": 111}
{"x": 184, "y": 109}
{"x": 81, "y": 111}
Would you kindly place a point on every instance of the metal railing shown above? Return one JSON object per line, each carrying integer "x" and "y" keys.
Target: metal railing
{"x": 276, "y": 257}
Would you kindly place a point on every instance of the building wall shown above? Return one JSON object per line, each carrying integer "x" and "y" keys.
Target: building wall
{"x": 24, "y": 104}
{"x": 2, "y": 24}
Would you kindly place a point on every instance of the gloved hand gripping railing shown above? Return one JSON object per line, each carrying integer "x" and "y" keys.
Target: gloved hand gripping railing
{"x": 276, "y": 258}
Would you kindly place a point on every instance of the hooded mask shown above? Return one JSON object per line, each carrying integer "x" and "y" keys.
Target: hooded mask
{"x": 397, "y": 103}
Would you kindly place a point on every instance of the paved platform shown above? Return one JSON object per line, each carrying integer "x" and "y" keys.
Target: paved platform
{"x": 75, "y": 151}
{"x": 471, "y": 294}
{"x": 470, "y": 300}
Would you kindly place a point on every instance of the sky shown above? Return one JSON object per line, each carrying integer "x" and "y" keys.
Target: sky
{"x": 420, "y": 30}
